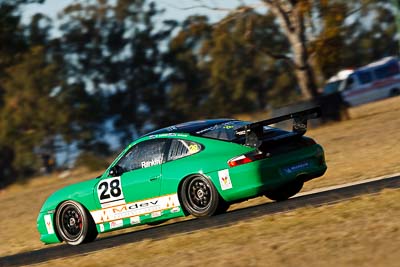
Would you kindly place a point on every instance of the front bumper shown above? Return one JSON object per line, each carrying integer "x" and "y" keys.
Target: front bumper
{"x": 46, "y": 228}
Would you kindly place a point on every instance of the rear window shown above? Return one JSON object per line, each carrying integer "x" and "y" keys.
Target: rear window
{"x": 182, "y": 148}
{"x": 224, "y": 131}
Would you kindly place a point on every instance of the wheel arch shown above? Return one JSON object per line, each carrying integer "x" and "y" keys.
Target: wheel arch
{"x": 178, "y": 191}
{"x": 221, "y": 199}
{"x": 187, "y": 177}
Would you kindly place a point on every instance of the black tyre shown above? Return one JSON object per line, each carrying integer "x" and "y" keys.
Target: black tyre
{"x": 285, "y": 191}
{"x": 199, "y": 196}
{"x": 223, "y": 206}
{"x": 74, "y": 223}
{"x": 394, "y": 92}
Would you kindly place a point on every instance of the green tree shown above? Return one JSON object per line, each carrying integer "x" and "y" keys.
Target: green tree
{"x": 187, "y": 78}
{"x": 13, "y": 45}
{"x": 372, "y": 41}
{"x": 113, "y": 49}
{"x": 217, "y": 70}
{"x": 31, "y": 112}
{"x": 242, "y": 72}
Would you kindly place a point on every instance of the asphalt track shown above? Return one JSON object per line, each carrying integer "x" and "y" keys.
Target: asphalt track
{"x": 313, "y": 198}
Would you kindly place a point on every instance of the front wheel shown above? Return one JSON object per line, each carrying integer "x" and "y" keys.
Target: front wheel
{"x": 199, "y": 196}
{"x": 74, "y": 223}
{"x": 286, "y": 191}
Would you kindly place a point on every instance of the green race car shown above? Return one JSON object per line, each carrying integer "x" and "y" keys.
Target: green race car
{"x": 196, "y": 168}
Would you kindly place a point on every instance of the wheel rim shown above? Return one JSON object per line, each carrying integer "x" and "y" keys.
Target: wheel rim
{"x": 199, "y": 194}
{"x": 71, "y": 222}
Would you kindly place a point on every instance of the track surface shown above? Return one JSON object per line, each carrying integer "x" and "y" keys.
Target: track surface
{"x": 308, "y": 199}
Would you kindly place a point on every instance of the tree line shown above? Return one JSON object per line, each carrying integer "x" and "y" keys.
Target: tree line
{"x": 119, "y": 67}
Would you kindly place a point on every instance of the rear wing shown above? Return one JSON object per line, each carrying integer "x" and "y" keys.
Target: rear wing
{"x": 254, "y": 131}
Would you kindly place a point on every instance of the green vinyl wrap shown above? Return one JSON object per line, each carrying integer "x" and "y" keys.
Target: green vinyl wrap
{"x": 247, "y": 181}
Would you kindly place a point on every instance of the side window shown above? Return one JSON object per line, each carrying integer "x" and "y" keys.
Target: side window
{"x": 143, "y": 155}
{"x": 381, "y": 73}
{"x": 364, "y": 77}
{"x": 182, "y": 148}
{"x": 388, "y": 70}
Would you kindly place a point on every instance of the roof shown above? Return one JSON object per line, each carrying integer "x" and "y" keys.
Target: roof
{"x": 378, "y": 63}
{"x": 189, "y": 127}
{"x": 341, "y": 75}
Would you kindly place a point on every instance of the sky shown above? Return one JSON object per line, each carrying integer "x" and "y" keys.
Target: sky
{"x": 174, "y": 9}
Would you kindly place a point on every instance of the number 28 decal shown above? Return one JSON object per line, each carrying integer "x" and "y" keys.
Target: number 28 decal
{"x": 109, "y": 192}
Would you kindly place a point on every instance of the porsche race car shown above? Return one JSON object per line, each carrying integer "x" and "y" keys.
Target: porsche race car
{"x": 197, "y": 168}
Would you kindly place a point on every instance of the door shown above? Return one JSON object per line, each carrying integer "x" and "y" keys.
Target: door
{"x": 135, "y": 190}
{"x": 141, "y": 179}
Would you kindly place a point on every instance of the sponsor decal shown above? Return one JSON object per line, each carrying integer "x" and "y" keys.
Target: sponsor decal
{"x": 167, "y": 135}
{"x": 297, "y": 167}
{"x": 175, "y": 210}
{"x": 135, "y": 220}
{"x": 135, "y": 208}
{"x": 226, "y": 125}
{"x": 49, "y": 224}
{"x": 101, "y": 227}
{"x": 109, "y": 192}
{"x": 116, "y": 224}
{"x": 156, "y": 214}
{"x": 194, "y": 148}
{"x": 153, "y": 162}
{"x": 225, "y": 179}
{"x": 172, "y": 128}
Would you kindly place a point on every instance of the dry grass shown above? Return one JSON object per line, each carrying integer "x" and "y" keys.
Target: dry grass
{"x": 361, "y": 232}
{"x": 365, "y": 146}
{"x": 20, "y": 205}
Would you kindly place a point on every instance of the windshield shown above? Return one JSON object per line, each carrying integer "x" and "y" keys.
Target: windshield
{"x": 223, "y": 131}
{"x": 332, "y": 87}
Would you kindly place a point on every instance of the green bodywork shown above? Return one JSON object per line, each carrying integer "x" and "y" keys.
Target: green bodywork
{"x": 151, "y": 194}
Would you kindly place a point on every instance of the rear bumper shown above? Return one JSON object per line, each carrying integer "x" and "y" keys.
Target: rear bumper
{"x": 255, "y": 178}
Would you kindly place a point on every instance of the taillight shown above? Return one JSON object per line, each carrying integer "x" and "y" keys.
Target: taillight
{"x": 243, "y": 159}
{"x": 246, "y": 158}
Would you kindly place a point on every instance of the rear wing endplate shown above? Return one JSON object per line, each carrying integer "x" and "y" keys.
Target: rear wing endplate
{"x": 254, "y": 131}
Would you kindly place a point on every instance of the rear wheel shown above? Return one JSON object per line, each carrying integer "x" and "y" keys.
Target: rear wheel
{"x": 199, "y": 196}
{"x": 74, "y": 223}
{"x": 223, "y": 206}
{"x": 394, "y": 92}
{"x": 286, "y": 191}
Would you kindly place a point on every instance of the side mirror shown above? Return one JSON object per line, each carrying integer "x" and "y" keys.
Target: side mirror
{"x": 116, "y": 171}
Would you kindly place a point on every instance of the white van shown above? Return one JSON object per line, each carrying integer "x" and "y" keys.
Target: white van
{"x": 374, "y": 81}
{"x": 334, "y": 83}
